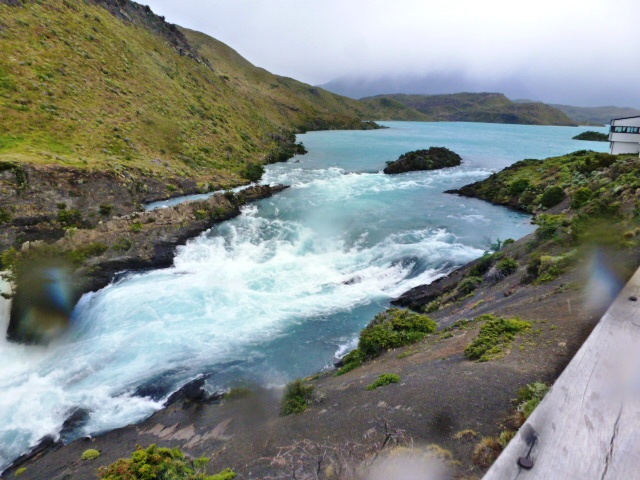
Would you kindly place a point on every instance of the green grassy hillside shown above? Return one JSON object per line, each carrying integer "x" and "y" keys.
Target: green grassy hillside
{"x": 110, "y": 85}
{"x": 469, "y": 107}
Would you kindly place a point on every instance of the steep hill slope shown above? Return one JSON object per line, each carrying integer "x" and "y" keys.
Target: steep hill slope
{"x": 104, "y": 106}
{"x": 109, "y": 83}
{"x": 471, "y": 107}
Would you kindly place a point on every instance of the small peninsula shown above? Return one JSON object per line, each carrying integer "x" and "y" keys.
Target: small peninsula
{"x": 433, "y": 158}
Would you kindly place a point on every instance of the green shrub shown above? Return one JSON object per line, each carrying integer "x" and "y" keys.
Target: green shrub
{"x": 8, "y": 258}
{"x": 394, "y": 328}
{"x": 70, "y": 218}
{"x": 507, "y": 266}
{"x": 390, "y": 329}
{"x": 530, "y": 396}
{"x": 483, "y": 265}
{"x": 90, "y": 454}
{"x": 383, "y": 380}
{"x": 552, "y": 196}
{"x": 468, "y": 285}
{"x": 548, "y": 226}
{"x": 296, "y": 397}
{"x": 518, "y": 186}
{"x": 253, "y": 172}
{"x": 160, "y": 463}
{"x": 5, "y": 215}
{"x": 105, "y": 209}
{"x": 494, "y": 337}
{"x": 551, "y": 267}
{"x": 580, "y": 197}
{"x": 136, "y": 227}
{"x": 352, "y": 360}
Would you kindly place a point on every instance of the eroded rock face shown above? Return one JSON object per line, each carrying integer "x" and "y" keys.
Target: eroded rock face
{"x": 40, "y": 202}
{"x": 136, "y": 241}
{"x": 432, "y": 159}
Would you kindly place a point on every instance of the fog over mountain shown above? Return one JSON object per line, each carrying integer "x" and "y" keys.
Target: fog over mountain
{"x": 580, "y": 52}
{"x": 532, "y": 89}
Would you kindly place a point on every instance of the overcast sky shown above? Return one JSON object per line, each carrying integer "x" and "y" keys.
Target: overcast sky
{"x": 584, "y": 52}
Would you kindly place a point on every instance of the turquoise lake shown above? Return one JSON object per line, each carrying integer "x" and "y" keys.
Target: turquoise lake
{"x": 280, "y": 291}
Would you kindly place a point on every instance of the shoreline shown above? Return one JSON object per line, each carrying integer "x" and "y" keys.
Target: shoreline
{"x": 442, "y": 393}
{"x": 344, "y": 409}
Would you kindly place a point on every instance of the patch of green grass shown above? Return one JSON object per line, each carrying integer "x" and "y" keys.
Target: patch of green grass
{"x": 494, "y": 337}
{"x": 296, "y": 398}
{"x": 90, "y": 454}
{"x": 530, "y": 396}
{"x": 158, "y": 462}
{"x": 383, "y": 380}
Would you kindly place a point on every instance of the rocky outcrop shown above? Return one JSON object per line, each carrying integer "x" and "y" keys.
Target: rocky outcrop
{"x": 41, "y": 202}
{"x": 136, "y": 241}
{"x": 432, "y": 159}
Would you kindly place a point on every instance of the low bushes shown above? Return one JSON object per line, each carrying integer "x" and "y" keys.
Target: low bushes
{"x": 383, "y": 380}
{"x": 530, "y": 396}
{"x": 390, "y": 329}
{"x": 296, "y": 397}
{"x": 159, "y": 463}
{"x": 90, "y": 454}
{"x": 494, "y": 337}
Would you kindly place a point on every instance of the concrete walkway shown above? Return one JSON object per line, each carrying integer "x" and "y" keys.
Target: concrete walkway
{"x": 588, "y": 425}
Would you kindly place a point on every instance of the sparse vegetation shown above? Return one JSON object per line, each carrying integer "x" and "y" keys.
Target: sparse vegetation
{"x": 495, "y": 335}
{"x": 161, "y": 463}
{"x": 383, "y": 380}
{"x": 506, "y": 266}
{"x": 530, "y": 396}
{"x": 90, "y": 454}
{"x": 296, "y": 397}
{"x": 486, "y": 451}
{"x": 70, "y": 218}
{"x": 390, "y": 329}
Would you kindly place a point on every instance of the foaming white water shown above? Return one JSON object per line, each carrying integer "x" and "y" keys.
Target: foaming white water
{"x": 268, "y": 296}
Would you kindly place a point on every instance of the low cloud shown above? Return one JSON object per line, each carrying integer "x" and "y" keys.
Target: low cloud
{"x": 570, "y": 51}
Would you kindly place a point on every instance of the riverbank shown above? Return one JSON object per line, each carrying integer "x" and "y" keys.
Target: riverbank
{"x": 441, "y": 396}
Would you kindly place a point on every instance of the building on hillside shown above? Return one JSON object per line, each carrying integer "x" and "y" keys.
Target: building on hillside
{"x": 625, "y": 135}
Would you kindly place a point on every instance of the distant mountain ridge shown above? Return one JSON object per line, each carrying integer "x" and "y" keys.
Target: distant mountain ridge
{"x": 597, "y": 115}
{"x": 465, "y": 107}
